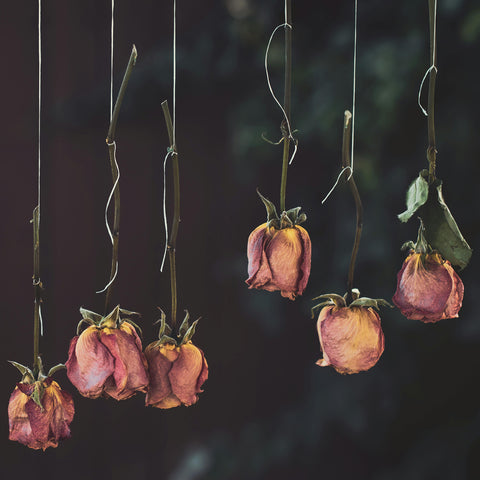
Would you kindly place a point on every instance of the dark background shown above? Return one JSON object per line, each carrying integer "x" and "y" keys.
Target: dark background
{"x": 268, "y": 412}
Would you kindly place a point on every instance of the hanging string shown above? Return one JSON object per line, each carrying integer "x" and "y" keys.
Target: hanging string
{"x": 109, "y": 230}
{"x": 432, "y": 66}
{"x": 39, "y": 131}
{"x": 171, "y": 150}
{"x": 354, "y": 94}
{"x": 287, "y": 121}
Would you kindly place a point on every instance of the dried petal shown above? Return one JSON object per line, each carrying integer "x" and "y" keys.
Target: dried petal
{"x": 428, "y": 288}
{"x": 351, "y": 338}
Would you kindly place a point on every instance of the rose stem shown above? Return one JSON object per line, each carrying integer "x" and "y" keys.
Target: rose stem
{"x": 37, "y": 289}
{"x": 432, "y": 151}
{"x": 111, "y": 153}
{"x": 346, "y": 162}
{"x": 286, "y": 103}
{"x": 176, "y": 212}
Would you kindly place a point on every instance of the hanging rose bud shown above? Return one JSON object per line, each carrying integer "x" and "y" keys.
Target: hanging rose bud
{"x": 279, "y": 253}
{"x": 351, "y": 337}
{"x": 177, "y": 370}
{"x": 106, "y": 359}
{"x": 39, "y": 412}
{"x": 428, "y": 288}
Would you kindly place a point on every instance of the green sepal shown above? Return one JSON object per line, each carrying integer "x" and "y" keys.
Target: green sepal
{"x": 408, "y": 246}
{"x": 184, "y": 326}
{"x": 164, "y": 326}
{"x": 319, "y": 305}
{"x": 442, "y": 231}
{"x": 417, "y": 195}
{"x": 167, "y": 339}
{"x": 293, "y": 214}
{"x": 84, "y": 320}
{"x": 337, "y": 300}
{"x": 189, "y": 333}
{"x": 129, "y": 313}
{"x": 271, "y": 210}
{"x": 88, "y": 315}
{"x": 301, "y": 218}
{"x": 135, "y": 325}
{"x": 27, "y": 374}
{"x": 112, "y": 319}
{"x": 55, "y": 369}
{"x": 37, "y": 394}
{"x": 285, "y": 221}
{"x": 370, "y": 302}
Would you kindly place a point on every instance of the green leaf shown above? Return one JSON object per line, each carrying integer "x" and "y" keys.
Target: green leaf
{"x": 417, "y": 195}
{"x": 441, "y": 230}
{"x": 271, "y": 210}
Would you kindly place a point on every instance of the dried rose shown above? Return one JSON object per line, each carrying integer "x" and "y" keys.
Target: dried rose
{"x": 177, "y": 372}
{"x": 428, "y": 288}
{"x": 279, "y": 259}
{"x": 351, "y": 337}
{"x": 279, "y": 253}
{"x": 106, "y": 359}
{"x": 39, "y": 411}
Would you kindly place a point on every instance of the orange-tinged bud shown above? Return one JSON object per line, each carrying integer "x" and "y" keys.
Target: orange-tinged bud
{"x": 107, "y": 361}
{"x": 279, "y": 259}
{"x": 176, "y": 374}
{"x": 428, "y": 288}
{"x": 351, "y": 338}
{"x": 40, "y": 426}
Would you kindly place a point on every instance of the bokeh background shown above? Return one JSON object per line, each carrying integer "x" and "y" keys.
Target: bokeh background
{"x": 268, "y": 412}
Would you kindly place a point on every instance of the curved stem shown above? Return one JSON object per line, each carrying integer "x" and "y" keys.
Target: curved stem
{"x": 346, "y": 162}
{"x": 286, "y": 102}
{"x": 113, "y": 165}
{"x": 37, "y": 289}
{"x": 432, "y": 151}
{"x": 176, "y": 212}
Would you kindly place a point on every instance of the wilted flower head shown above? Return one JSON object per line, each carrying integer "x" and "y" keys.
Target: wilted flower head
{"x": 428, "y": 288}
{"x": 351, "y": 337}
{"x": 39, "y": 412}
{"x": 106, "y": 359}
{"x": 177, "y": 370}
{"x": 279, "y": 254}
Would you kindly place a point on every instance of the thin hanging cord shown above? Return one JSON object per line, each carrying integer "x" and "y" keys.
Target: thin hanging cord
{"x": 39, "y": 134}
{"x": 170, "y": 151}
{"x": 290, "y": 135}
{"x": 354, "y": 89}
{"x": 109, "y": 230}
{"x": 354, "y": 94}
{"x": 432, "y": 66}
{"x": 111, "y": 58}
